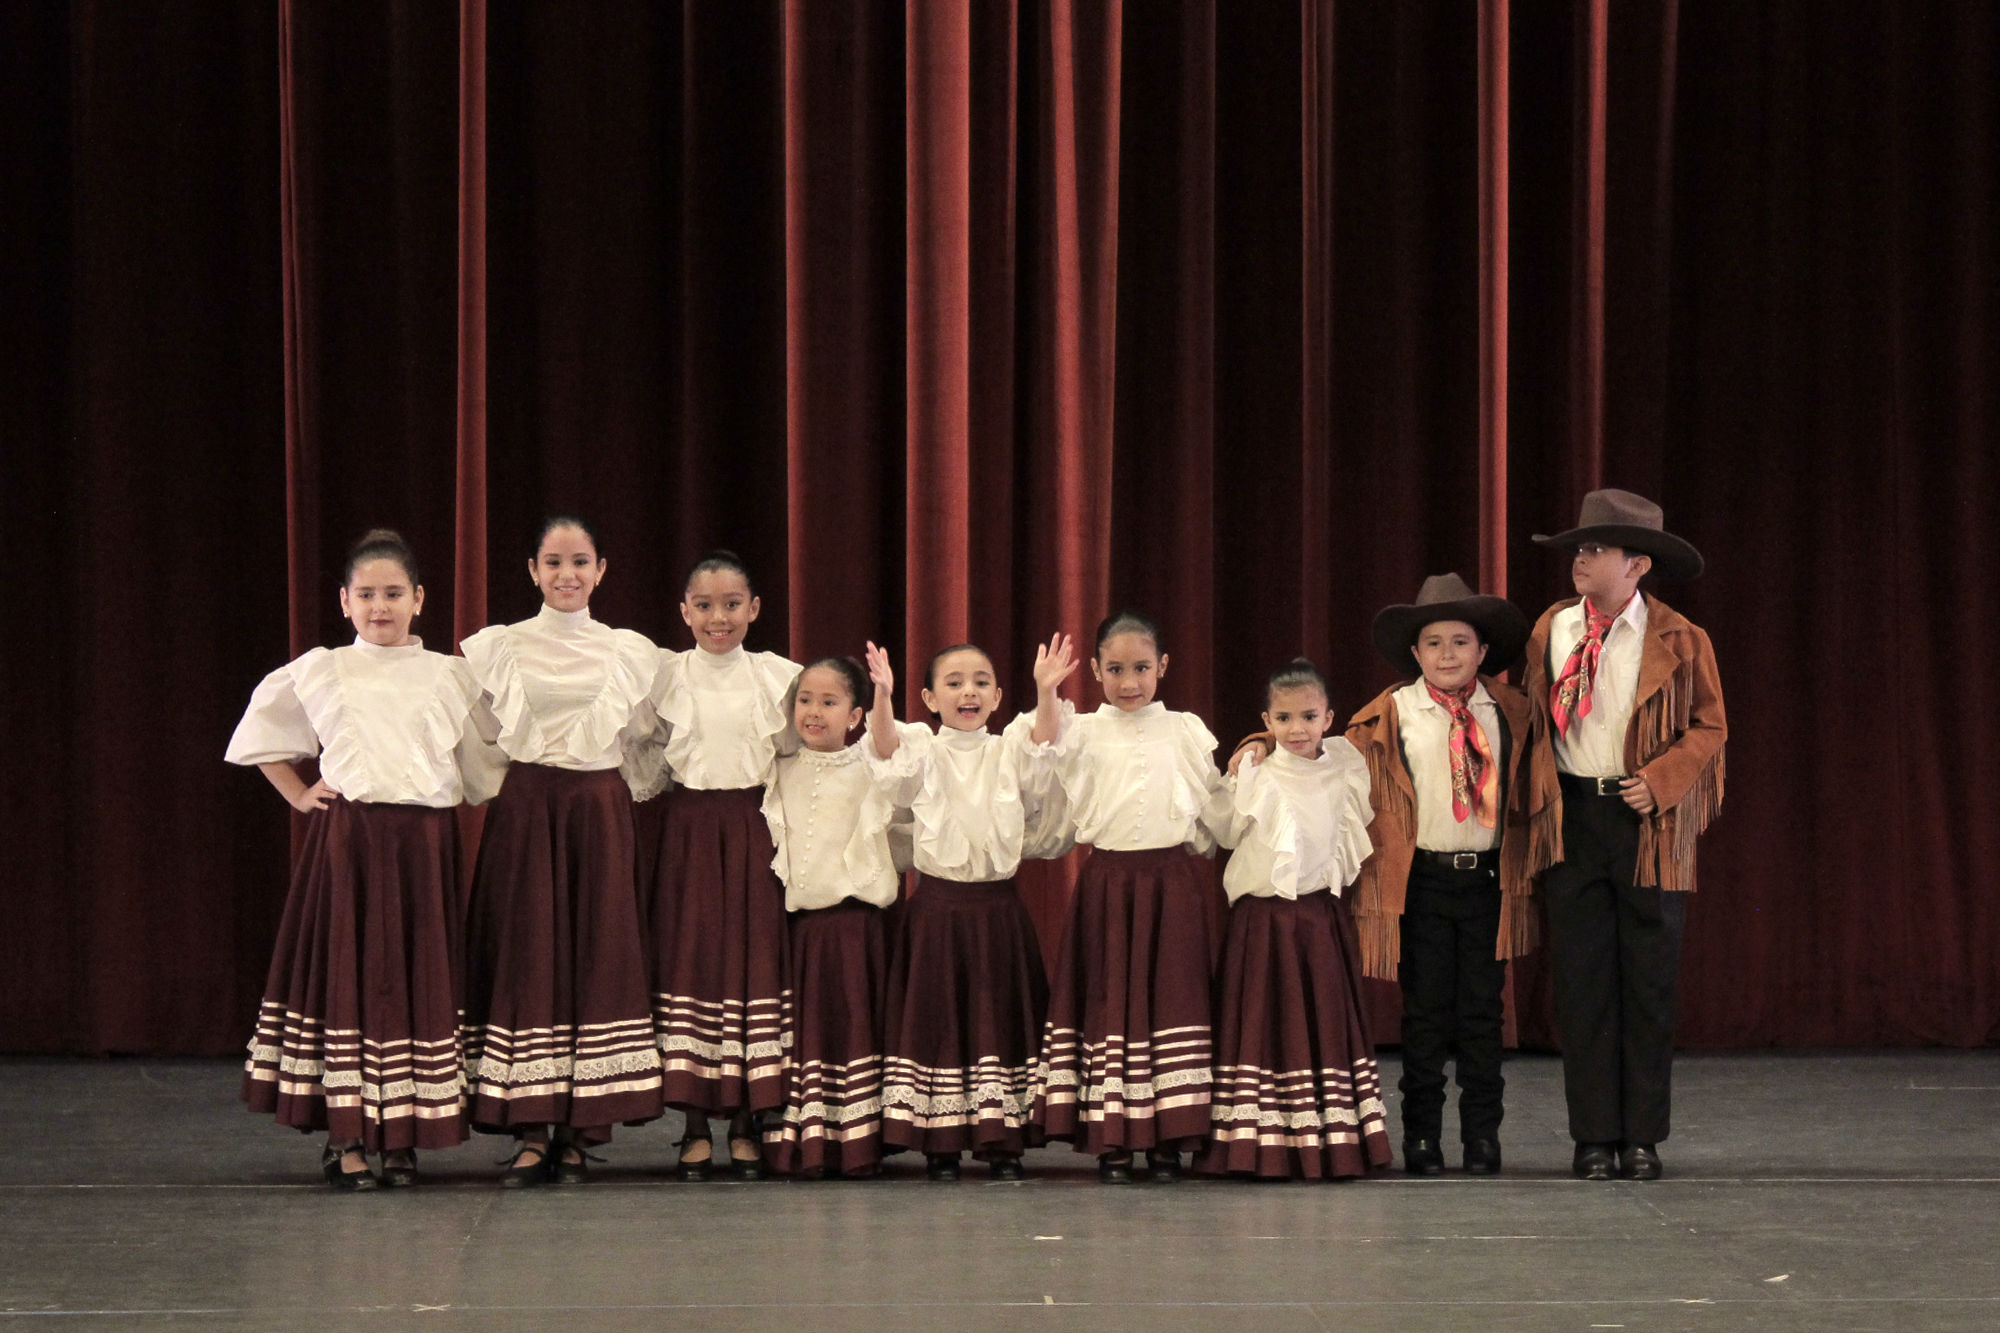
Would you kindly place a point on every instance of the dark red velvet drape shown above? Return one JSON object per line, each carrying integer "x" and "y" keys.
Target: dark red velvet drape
{"x": 974, "y": 320}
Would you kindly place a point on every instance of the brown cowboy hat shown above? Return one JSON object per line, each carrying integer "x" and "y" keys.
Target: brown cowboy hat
{"x": 1445, "y": 597}
{"x": 1631, "y": 522}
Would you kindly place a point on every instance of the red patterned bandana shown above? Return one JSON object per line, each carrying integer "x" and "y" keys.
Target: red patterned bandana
{"x": 1569, "y": 697}
{"x": 1475, "y": 778}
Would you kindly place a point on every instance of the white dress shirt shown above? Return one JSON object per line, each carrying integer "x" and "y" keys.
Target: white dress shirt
{"x": 1138, "y": 780}
{"x": 1595, "y": 745}
{"x": 1298, "y": 825}
{"x": 1425, "y": 728}
{"x": 979, "y": 803}
{"x": 830, "y": 821}
{"x": 569, "y": 692}
{"x": 396, "y": 726}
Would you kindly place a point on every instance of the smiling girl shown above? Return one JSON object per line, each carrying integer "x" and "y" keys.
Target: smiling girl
{"x": 1126, "y": 1060}
{"x": 358, "y": 1031}
{"x": 830, "y": 824}
{"x": 560, "y": 1041}
{"x": 717, "y": 908}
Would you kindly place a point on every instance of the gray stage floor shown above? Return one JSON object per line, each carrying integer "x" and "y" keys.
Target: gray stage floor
{"x": 1803, "y": 1191}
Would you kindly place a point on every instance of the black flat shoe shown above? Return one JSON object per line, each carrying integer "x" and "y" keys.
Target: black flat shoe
{"x": 1595, "y": 1161}
{"x": 1007, "y": 1168}
{"x": 1640, "y": 1161}
{"x": 745, "y": 1168}
{"x": 329, "y": 1163}
{"x": 563, "y": 1172}
{"x": 1482, "y": 1157}
{"x": 1114, "y": 1170}
{"x": 698, "y": 1169}
{"x": 399, "y": 1175}
{"x": 1163, "y": 1167}
{"x": 519, "y": 1176}
{"x": 943, "y": 1166}
{"x": 1422, "y": 1157}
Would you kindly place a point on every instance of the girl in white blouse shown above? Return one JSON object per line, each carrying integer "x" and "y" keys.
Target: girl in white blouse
{"x": 559, "y": 1033}
{"x": 717, "y": 908}
{"x": 967, "y": 993}
{"x": 1296, "y": 1087}
{"x": 830, "y": 823}
{"x": 1126, "y": 1059}
{"x": 358, "y": 1030}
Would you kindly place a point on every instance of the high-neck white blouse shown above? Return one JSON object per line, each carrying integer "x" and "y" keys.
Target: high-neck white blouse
{"x": 569, "y": 692}
{"x": 1298, "y": 825}
{"x": 1138, "y": 780}
{"x": 979, "y": 803}
{"x": 830, "y": 821}
{"x": 724, "y": 716}
{"x": 396, "y": 726}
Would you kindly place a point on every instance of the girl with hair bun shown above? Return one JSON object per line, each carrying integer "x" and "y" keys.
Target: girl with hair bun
{"x": 358, "y": 1032}
{"x": 559, "y": 1037}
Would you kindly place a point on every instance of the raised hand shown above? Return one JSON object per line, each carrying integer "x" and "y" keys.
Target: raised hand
{"x": 1055, "y": 661}
{"x": 880, "y": 671}
{"x": 882, "y": 716}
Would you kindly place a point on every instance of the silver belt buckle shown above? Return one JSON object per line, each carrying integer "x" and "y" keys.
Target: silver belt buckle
{"x": 1609, "y": 786}
{"x": 1465, "y": 860}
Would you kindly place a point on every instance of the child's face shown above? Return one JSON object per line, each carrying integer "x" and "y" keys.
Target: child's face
{"x": 1449, "y": 653}
{"x": 1607, "y": 574}
{"x": 718, "y": 607}
{"x": 1129, "y": 667}
{"x": 567, "y": 569}
{"x": 379, "y": 600}
{"x": 824, "y": 711}
{"x": 1298, "y": 717}
{"x": 963, "y": 693}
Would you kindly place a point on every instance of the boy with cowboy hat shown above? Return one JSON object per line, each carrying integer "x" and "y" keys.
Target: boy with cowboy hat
{"x": 1443, "y": 901}
{"x": 1628, "y": 771}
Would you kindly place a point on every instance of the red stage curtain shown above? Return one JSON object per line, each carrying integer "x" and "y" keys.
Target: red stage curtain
{"x": 973, "y": 321}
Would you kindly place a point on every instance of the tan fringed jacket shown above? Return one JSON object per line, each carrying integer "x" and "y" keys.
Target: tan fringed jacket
{"x": 1378, "y": 893}
{"x": 1675, "y": 742}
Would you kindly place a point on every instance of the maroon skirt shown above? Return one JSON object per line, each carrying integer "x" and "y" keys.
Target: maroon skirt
{"x": 832, "y": 1117}
{"x": 1125, "y": 1059}
{"x": 1296, "y": 1088}
{"x": 967, "y": 999}
{"x": 357, "y": 1034}
{"x": 720, "y": 960}
{"x": 557, "y": 1028}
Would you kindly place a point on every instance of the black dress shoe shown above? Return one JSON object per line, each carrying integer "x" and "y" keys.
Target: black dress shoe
{"x": 1482, "y": 1157}
{"x": 565, "y": 1172}
{"x": 1595, "y": 1161}
{"x": 517, "y": 1177}
{"x": 1007, "y": 1168}
{"x": 329, "y": 1165}
{"x": 943, "y": 1166}
{"x": 1422, "y": 1157}
{"x": 1639, "y": 1161}
{"x": 399, "y": 1174}
{"x": 1114, "y": 1169}
{"x": 1163, "y": 1167}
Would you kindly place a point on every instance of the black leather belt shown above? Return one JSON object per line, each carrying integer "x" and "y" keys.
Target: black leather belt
{"x": 1591, "y": 786}
{"x": 1485, "y": 860}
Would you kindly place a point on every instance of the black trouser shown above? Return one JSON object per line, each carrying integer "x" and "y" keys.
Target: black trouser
{"x": 1451, "y": 998}
{"x": 1616, "y": 951}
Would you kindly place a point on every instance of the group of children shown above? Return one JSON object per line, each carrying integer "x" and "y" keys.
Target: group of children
{"x": 689, "y": 891}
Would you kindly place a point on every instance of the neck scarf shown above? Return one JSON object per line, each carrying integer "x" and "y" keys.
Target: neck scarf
{"x": 1569, "y": 697}
{"x": 1475, "y": 778}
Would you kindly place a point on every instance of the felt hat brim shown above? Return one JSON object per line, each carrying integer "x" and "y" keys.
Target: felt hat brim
{"x": 1500, "y": 624}
{"x": 1672, "y": 557}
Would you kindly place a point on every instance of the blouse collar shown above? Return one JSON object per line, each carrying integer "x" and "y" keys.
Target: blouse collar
{"x": 963, "y": 740}
{"x": 1153, "y": 709}
{"x": 719, "y": 661}
{"x": 830, "y": 758}
{"x": 549, "y": 618}
{"x": 415, "y": 645}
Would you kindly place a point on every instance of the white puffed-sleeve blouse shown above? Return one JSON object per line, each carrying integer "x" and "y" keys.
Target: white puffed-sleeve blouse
{"x": 1138, "y": 780}
{"x": 724, "y": 715}
{"x": 830, "y": 821}
{"x": 394, "y": 726}
{"x": 1298, "y": 825}
{"x": 979, "y": 803}
{"x": 569, "y": 692}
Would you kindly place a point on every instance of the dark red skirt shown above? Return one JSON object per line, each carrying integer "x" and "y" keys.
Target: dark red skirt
{"x": 558, "y": 1030}
{"x": 358, "y": 1031}
{"x": 832, "y": 1116}
{"x": 967, "y": 999}
{"x": 720, "y": 964}
{"x": 1296, "y": 1088}
{"x": 1126, "y": 1059}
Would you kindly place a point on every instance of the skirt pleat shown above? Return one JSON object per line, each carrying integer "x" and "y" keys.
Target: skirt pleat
{"x": 831, "y": 1120}
{"x": 1126, "y": 1060}
{"x": 358, "y": 1031}
{"x": 558, "y": 1030}
{"x": 967, "y": 999}
{"x": 1297, "y": 1093}
{"x": 720, "y": 958}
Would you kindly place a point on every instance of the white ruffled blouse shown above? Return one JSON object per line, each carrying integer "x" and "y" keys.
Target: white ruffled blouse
{"x": 724, "y": 716}
{"x": 830, "y": 821}
{"x": 979, "y": 803}
{"x": 395, "y": 726}
{"x": 1298, "y": 825}
{"x": 569, "y": 692}
{"x": 1138, "y": 780}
